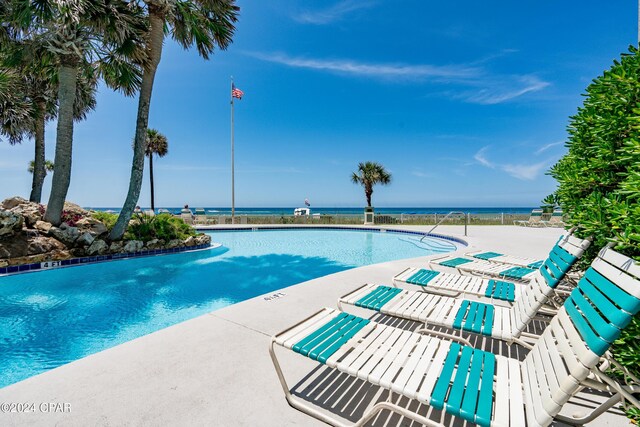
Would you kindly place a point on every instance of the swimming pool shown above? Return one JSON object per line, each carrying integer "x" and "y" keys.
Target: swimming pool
{"x": 53, "y": 317}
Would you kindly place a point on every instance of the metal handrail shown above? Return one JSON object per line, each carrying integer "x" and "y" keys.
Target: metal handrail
{"x": 466, "y": 221}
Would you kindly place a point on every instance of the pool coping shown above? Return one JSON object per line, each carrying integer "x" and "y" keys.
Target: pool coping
{"x": 74, "y": 262}
{"x": 259, "y": 227}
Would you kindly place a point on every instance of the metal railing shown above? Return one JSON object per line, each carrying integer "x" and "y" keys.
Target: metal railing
{"x": 466, "y": 221}
{"x": 355, "y": 219}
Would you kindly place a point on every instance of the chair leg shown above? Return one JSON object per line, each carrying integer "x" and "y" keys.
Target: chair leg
{"x": 298, "y": 403}
{"x": 380, "y": 406}
{"x": 604, "y": 407}
{"x": 368, "y": 415}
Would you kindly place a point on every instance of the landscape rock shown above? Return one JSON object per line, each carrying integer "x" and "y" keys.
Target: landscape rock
{"x": 3, "y": 263}
{"x": 202, "y": 239}
{"x": 133, "y": 246}
{"x": 98, "y": 247}
{"x": 92, "y": 225}
{"x": 30, "y": 211}
{"x": 16, "y": 245}
{"x": 43, "y": 226}
{"x": 41, "y": 245}
{"x": 73, "y": 209}
{"x": 78, "y": 252}
{"x": 154, "y": 244}
{"x": 116, "y": 247}
{"x": 10, "y": 223}
{"x": 26, "y": 238}
{"x": 85, "y": 239}
{"x": 175, "y": 243}
{"x": 65, "y": 234}
{"x": 12, "y": 202}
{"x": 4, "y": 252}
{"x": 57, "y": 255}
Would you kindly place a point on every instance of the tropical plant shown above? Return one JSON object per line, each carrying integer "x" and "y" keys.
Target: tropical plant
{"x": 164, "y": 226}
{"x": 48, "y": 166}
{"x": 549, "y": 203}
{"x": 157, "y": 144}
{"x": 599, "y": 177}
{"x": 98, "y": 36}
{"x": 203, "y": 23}
{"x": 368, "y": 175}
{"x": 107, "y": 218}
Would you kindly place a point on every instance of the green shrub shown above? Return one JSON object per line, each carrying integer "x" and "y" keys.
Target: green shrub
{"x": 163, "y": 226}
{"x": 599, "y": 177}
{"x": 108, "y": 219}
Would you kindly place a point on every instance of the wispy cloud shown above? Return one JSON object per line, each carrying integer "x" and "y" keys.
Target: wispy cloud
{"x": 333, "y": 13}
{"x": 492, "y": 56}
{"x": 189, "y": 168}
{"x": 548, "y": 146}
{"x": 510, "y": 87}
{"x": 196, "y": 168}
{"x": 421, "y": 174}
{"x": 356, "y": 68}
{"x": 522, "y": 171}
{"x": 482, "y": 159}
{"x": 525, "y": 172}
{"x": 475, "y": 83}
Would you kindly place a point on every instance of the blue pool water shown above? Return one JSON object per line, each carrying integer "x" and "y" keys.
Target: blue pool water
{"x": 53, "y": 317}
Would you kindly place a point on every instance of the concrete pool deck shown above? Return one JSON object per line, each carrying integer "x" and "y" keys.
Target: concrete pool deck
{"x": 215, "y": 369}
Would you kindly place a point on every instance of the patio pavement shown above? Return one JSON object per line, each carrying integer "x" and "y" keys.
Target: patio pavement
{"x": 215, "y": 370}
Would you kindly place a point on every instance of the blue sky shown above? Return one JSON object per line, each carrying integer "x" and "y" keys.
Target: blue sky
{"x": 466, "y": 103}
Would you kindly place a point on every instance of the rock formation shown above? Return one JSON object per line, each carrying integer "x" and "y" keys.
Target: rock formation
{"x": 26, "y": 238}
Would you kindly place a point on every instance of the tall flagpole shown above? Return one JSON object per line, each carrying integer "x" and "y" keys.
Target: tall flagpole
{"x": 233, "y": 189}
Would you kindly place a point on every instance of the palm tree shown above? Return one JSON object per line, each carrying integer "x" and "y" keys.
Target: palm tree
{"x": 33, "y": 101}
{"x": 83, "y": 35}
{"x": 115, "y": 25}
{"x": 368, "y": 175}
{"x": 203, "y": 23}
{"x": 156, "y": 144}
{"x": 48, "y": 166}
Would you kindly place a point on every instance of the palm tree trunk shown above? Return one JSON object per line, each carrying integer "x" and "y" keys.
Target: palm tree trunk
{"x": 67, "y": 77}
{"x": 156, "y": 36}
{"x": 368, "y": 191}
{"x": 153, "y": 204}
{"x": 39, "y": 171}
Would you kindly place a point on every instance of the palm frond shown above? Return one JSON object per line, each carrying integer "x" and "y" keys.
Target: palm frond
{"x": 157, "y": 143}
{"x": 205, "y": 24}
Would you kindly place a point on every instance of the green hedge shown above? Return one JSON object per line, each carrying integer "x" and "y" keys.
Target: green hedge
{"x": 599, "y": 177}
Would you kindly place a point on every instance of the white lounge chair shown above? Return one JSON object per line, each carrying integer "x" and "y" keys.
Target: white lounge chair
{"x": 562, "y": 257}
{"x": 569, "y": 245}
{"x": 556, "y": 219}
{"x": 471, "y": 315}
{"x": 476, "y": 385}
{"x": 534, "y": 219}
{"x": 497, "y": 321}
{"x": 200, "y": 217}
{"x": 506, "y": 259}
{"x": 484, "y": 268}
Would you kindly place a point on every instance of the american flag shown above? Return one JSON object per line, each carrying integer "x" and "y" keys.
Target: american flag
{"x": 236, "y": 93}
